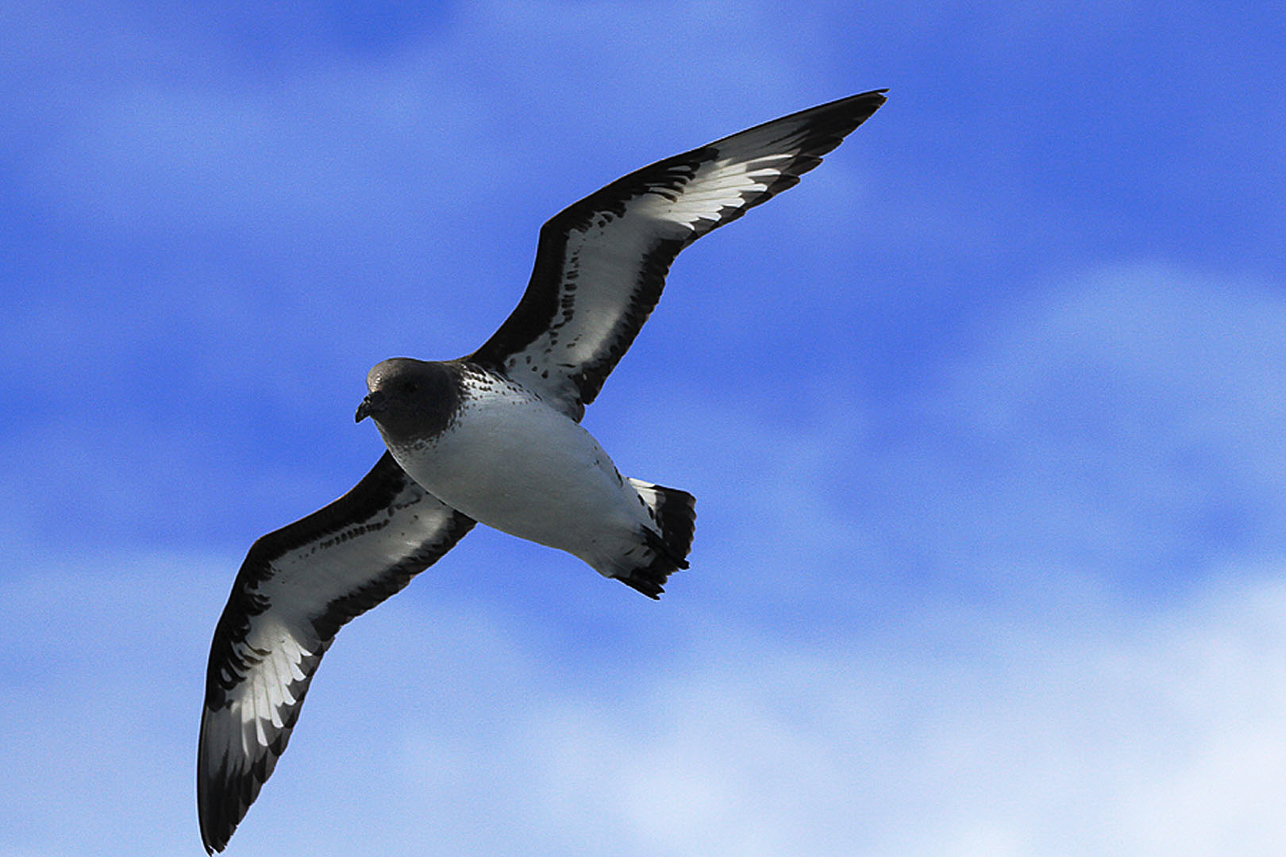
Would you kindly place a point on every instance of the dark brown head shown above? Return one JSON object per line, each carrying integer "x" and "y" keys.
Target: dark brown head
{"x": 410, "y": 399}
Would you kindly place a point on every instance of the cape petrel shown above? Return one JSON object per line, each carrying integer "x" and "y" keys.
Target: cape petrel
{"x": 494, "y": 437}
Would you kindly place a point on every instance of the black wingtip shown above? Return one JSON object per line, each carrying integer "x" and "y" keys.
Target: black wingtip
{"x": 866, "y": 103}
{"x": 217, "y": 826}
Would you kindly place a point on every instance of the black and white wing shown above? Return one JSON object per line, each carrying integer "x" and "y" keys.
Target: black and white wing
{"x": 601, "y": 262}
{"x": 297, "y": 587}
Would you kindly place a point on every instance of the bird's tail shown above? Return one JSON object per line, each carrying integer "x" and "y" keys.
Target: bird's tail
{"x": 664, "y": 548}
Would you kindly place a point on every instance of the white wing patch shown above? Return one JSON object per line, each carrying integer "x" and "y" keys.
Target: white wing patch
{"x": 267, "y": 691}
{"x": 610, "y": 250}
{"x": 615, "y": 249}
{"x": 715, "y": 189}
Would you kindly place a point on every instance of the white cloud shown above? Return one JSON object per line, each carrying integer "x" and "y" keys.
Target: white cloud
{"x": 1022, "y": 736}
{"x": 1023, "y": 729}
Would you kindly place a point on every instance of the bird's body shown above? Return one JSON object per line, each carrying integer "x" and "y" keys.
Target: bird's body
{"x": 493, "y": 437}
{"x": 507, "y": 459}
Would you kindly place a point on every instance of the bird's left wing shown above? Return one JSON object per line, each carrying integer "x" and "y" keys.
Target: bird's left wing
{"x": 601, "y": 262}
{"x": 297, "y": 587}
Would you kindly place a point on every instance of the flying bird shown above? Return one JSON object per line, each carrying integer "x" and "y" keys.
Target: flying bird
{"x": 494, "y": 437}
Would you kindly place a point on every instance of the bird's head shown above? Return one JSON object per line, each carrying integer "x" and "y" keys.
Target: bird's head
{"x": 409, "y": 399}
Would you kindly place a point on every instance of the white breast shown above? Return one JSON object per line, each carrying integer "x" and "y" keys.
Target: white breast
{"x": 514, "y": 463}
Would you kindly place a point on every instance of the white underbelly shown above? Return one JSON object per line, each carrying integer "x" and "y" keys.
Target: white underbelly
{"x": 513, "y": 463}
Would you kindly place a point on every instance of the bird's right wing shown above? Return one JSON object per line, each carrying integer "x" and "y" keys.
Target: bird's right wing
{"x": 297, "y": 587}
{"x": 601, "y": 262}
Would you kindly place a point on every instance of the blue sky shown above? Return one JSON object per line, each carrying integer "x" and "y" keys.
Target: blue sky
{"x": 985, "y": 421}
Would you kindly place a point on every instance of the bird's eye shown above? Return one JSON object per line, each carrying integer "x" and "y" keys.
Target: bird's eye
{"x": 410, "y": 388}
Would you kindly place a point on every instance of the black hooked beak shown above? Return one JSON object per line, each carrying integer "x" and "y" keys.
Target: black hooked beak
{"x": 374, "y": 403}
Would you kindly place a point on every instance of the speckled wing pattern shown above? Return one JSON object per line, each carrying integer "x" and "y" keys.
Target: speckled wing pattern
{"x": 601, "y": 262}
{"x": 297, "y": 587}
